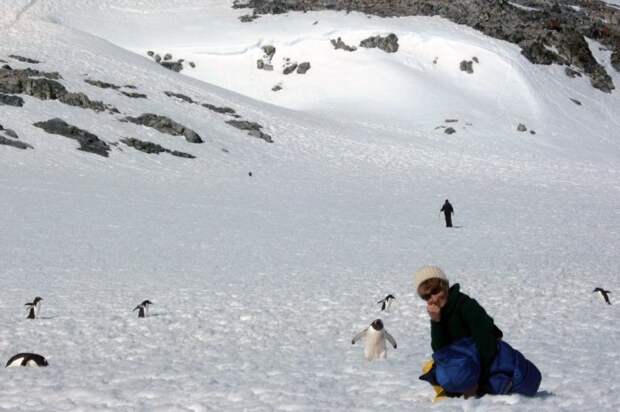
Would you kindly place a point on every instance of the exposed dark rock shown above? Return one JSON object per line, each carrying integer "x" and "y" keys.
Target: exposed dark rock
{"x": 577, "y": 102}
{"x": 615, "y": 59}
{"x": 264, "y": 63}
{"x": 467, "y": 66}
{"x": 88, "y": 141}
{"x": 388, "y": 44}
{"x": 521, "y": 127}
{"x": 217, "y": 109}
{"x": 174, "y": 66}
{"x": 150, "y": 53}
{"x": 9, "y": 132}
{"x": 24, "y": 59}
{"x": 14, "y": 143}
{"x": 149, "y": 147}
{"x": 289, "y": 67}
{"x": 571, "y": 73}
{"x": 252, "y": 128}
{"x": 246, "y": 18}
{"x": 537, "y": 53}
{"x": 449, "y": 130}
{"x": 130, "y": 86}
{"x": 339, "y": 44}
{"x": 277, "y": 87}
{"x": 165, "y": 125}
{"x": 303, "y": 67}
{"x": 451, "y": 120}
{"x": 179, "y": 96}
{"x": 44, "y": 88}
{"x": 192, "y": 65}
{"x": 532, "y": 132}
{"x": 134, "y": 95}
{"x": 167, "y": 56}
{"x": 11, "y": 100}
{"x": 547, "y": 23}
{"x": 81, "y": 100}
{"x": 101, "y": 84}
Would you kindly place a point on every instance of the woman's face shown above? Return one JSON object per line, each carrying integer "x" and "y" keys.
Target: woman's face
{"x": 433, "y": 293}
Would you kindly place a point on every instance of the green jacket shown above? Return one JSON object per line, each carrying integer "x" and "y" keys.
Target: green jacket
{"x": 463, "y": 317}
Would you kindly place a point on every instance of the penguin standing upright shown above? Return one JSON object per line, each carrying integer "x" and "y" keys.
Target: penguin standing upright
{"x": 143, "y": 308}
{"x": 374, "y": 340}
{"x": 34, "y": 308}
{"x": 386, "y": 302}
{"x": 26, "y": 359}
{"x": 603, "y": 293}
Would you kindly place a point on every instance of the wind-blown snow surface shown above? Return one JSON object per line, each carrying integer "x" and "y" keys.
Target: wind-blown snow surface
{"x": 260, "y": 282}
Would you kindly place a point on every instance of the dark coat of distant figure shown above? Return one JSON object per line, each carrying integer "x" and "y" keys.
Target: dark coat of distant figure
{"x": 448, "y": 211}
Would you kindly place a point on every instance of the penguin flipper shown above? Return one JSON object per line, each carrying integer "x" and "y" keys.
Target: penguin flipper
{"x": 390, "y": 339}
{"x": 358, "y": 336}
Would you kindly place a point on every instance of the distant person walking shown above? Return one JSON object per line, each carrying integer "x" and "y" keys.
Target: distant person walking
{"x": 448, "y": 211}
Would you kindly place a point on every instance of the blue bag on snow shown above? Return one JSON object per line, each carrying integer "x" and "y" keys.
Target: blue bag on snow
{"x": 457, "y": 369}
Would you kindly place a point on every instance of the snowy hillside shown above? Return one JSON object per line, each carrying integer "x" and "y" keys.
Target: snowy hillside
{"x": 260, "y": 281}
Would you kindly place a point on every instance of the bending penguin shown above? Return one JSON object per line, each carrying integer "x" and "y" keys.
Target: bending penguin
{"x": 386, "y": 302}
{"x": 604, "y": 294}
{"x": 374, "y": 340}
{"x": 27, "y": 359}
{"x": 34, "y": 308}
{"x": 143, "y": 308}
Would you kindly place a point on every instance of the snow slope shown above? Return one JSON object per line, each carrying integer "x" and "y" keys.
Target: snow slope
{"x": 260, "y": 282}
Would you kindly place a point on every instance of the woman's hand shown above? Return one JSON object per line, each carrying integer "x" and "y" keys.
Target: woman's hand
{"x": 434, "y": 311}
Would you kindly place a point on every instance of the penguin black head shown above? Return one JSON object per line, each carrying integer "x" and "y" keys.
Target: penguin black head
{"x": 377, "y": 324}
{"x": 27, "y": 359}
{"x": 604, "y": 293}
{"x": 146, "y": 303}
{"x": 37, "y": 300}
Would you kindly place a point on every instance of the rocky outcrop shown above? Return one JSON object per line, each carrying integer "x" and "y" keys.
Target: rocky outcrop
{"x": 302, "y": 68}
{"x": 14, "y": 143}
{"x": 103, "y": 85}
{"x": 388, "y": 44}
{"x": 45, "y": 86}
{"x": 88, "y": 141}
{"x": 149, "y": 147}
{"x": 264, "y": 63}
{"x": 220, "y": 109}
{"x": 10, "y": 100}
{"x": 180, "y": 97}
{"x": 539, "y": 29}
{"x": 165, "y": 125}
{"x": 340, "y": 45}
{"x": 24, "y": 59}
{"x": 167, "y": 62}
{"x": 252, "y": 128}
{"x": 467, "y": 66}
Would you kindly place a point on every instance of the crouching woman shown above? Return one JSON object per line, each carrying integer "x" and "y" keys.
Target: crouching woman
{"x": 469, "y": 356}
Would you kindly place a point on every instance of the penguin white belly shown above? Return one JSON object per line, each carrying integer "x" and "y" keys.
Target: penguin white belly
{"x": 374, "y": 345}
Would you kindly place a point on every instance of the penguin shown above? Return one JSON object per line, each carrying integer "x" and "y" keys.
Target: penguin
{"x": 386, "y": 302}
{"x": 27, "y": 359}
{"x": 374, "y": 340}
{"x": 143, "y": 308}
{"x": 34, "y": 308}
{"x": 603, "y": 293}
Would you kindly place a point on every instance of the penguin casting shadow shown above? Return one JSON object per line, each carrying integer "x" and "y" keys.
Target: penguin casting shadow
{"x": 374, "y": 340}
{"x": 143, "y": 308}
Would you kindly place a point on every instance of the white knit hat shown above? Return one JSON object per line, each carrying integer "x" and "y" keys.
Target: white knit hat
{"x": 428, "y": 272}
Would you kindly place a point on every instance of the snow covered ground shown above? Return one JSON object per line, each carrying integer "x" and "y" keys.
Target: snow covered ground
{"x": 259, "y": 282}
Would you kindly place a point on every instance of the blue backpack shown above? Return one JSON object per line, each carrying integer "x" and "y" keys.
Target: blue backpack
{"x": 457, "y": 369}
